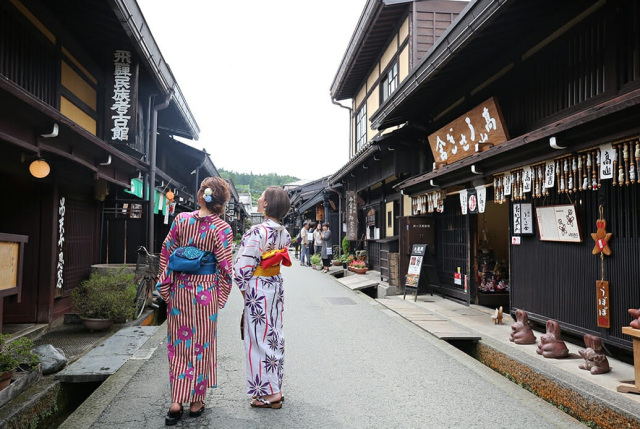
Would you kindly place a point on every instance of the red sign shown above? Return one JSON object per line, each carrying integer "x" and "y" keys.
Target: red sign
{"x": 602, "y": 291}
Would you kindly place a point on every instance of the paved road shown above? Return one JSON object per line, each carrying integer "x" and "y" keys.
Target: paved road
{"x": 350, "y": 363}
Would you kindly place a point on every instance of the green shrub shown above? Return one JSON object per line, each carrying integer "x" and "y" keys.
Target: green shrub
{"x": 16, "y": 353}
{"x": 345, "y": 245}
{"x": 316, "y": 259}
{"x": 106, "y": 296}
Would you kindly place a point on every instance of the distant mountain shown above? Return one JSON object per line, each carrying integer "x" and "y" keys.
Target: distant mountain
{"x": 255, "y": 183}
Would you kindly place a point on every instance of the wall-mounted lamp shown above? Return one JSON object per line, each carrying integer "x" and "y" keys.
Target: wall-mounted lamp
{"x": 432, "y": 183}
{"x": 475, "y": 170}
{"x": 39, "y": 168}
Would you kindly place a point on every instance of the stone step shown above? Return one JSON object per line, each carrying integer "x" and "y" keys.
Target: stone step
{"x": 105, "y": 359}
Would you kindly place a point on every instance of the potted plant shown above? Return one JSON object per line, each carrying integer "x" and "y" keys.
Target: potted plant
{"x": 316, "y": 261}
{"x": 15, "y": 354}
{"x": 358, "y": 266}
{"x": 105, "y": 297}
{"x": 346, "y": 259}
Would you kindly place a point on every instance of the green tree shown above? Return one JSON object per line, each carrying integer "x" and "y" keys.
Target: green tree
{"x": 255, "y": 184}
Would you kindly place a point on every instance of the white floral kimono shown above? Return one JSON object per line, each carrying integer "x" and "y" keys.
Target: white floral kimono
{"x": 263, "y": 307}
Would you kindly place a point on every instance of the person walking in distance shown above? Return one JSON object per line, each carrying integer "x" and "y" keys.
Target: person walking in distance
{"x": 194, "y": 293}
{"x": 304, "y": 246}
{"x": 317, "y": 239}
{"x": 327, "y": 250}
{"x": 263, "y": 249}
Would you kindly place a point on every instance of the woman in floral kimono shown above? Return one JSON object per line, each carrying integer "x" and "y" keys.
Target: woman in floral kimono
{"x": 193, "y": 299}
{"x": 257, "y": 273}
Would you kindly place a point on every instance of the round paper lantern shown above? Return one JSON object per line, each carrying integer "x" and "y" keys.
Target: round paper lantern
{"x": 39, "y": 168}
{"x": 170, "y": 196}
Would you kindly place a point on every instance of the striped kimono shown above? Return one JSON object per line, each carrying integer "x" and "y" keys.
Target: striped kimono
{"x": 192, "y": 304}
{"x": 263, "y": 307}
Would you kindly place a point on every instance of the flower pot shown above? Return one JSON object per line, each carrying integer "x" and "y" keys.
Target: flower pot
{"x": 5, "y": 379}
{"x": 337, "y": 263}
{"x": 96, "y": 324}
{"x": 359, "y": 270}
{"x": 344, "y": 265}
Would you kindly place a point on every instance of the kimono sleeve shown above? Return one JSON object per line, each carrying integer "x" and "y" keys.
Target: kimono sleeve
{"x": 165, "y": 280}
{"x": 248, "y": 258}
{"x": 225, "y": 262}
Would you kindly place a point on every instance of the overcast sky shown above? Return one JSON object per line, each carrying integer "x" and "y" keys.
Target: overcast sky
{"x": 256, "y": 75}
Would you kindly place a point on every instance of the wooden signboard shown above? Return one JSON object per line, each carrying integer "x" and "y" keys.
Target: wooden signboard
{"x": 352, "y": 216}
{"x": 558, "y": 223}
{"x": 481, "y": 127}
{"x": 8, "y": 265}
{"x": 602, "y": 290}
{"x": 11, "y": 261}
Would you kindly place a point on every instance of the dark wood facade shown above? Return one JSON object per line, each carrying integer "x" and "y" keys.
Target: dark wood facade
{"x": 55, "y": 59}
{"x": 573, "y": 76}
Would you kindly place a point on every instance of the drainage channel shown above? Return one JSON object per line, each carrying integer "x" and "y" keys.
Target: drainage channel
{"x": 52, "y": 399}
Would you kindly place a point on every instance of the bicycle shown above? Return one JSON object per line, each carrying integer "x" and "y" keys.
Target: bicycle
{"x": 147, "y": 266}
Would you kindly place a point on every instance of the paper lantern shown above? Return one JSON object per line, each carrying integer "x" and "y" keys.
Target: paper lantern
{"x": 39, "y": 168}
{"x": 170, "y": 196}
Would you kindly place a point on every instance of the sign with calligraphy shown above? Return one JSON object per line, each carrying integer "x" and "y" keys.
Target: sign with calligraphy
{"x": 371, "y": 217}
{"x": 352, "y": 216}
{"x": 121, "y": 114}
{"x": 526, "y": 211}
{"x": 458, "y": 139}
{"x": 481, "y": 191}
{"x": 472, "y": 200}
{"x": 602, "y": 291}
{"x": 527, "y": 175}
{"x": 558, "y": 223}
{"x": 606, "y": 163}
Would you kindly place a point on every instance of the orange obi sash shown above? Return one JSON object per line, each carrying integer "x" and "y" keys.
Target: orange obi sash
{"x": 271, "y": 262}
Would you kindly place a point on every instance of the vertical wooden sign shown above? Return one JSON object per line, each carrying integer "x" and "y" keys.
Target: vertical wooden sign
{"x": 602, "y": 290}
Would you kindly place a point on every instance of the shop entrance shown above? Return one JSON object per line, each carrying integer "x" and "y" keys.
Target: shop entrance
{"x": 491, "y": 261}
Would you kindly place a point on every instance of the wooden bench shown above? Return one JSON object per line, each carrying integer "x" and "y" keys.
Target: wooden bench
{"x": 632, "y": 387}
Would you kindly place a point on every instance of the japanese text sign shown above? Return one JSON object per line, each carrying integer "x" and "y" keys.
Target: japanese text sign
{"x": 122, "y": 106}
{"x": 602, "y": 290}
{"x": 457, "y": 140}
{"x": 352, "y": 216}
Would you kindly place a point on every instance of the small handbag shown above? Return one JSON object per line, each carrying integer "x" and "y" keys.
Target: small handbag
{"x": 191, "y": 260}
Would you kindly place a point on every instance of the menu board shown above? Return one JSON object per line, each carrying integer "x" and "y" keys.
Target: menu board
{"x": 558, "y": 223}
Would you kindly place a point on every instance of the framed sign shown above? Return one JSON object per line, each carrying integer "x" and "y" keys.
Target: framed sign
{"x": 558, "y": 223}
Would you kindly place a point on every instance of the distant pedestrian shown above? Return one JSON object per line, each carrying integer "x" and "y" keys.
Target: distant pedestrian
{"x": 317, "y": 239}
{"x": 304, "y": 246}
{"x": 263, "y": 250}
{"x": 327, "y": 250}
{"x": 194, "y": 295}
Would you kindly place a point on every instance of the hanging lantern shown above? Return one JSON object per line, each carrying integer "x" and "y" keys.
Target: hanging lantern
{"x": 170, "y": 195}
{"x": 39, "y": 168}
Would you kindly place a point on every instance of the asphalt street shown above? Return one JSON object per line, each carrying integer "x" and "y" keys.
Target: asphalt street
{"x": 349, "y": 363}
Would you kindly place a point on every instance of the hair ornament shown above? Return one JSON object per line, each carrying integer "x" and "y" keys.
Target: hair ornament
{"x": 207, "y": 194}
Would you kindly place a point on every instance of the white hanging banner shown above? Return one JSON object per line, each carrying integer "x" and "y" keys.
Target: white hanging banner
{"x": 508, "y": 180}
{"x": 606, "y": 161}
{"x": 527, "y": 175}
{"x": 550, "y": 174}
{"x": 463, "y": 201}
{"x": 482, "y": 198}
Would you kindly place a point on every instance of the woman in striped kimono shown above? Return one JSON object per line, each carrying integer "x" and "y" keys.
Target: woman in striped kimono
{"x": 261, "y": 285}
{"x": 193, "y": 299}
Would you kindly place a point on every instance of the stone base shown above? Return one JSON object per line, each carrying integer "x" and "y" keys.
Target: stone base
{"x": 21, "y": 382}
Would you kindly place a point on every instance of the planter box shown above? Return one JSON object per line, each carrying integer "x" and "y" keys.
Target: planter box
{"x": 21, "y": 382}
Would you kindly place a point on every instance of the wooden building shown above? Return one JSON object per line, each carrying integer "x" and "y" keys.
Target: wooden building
{"x": 390, "y": 39}
{"x": 85, "y": 100}
{"x": 564, "y": 78}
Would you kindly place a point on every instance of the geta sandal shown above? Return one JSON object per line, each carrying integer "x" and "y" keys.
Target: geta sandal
{"x": 172, "y": 417}
{"x": 260, "y": 402}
